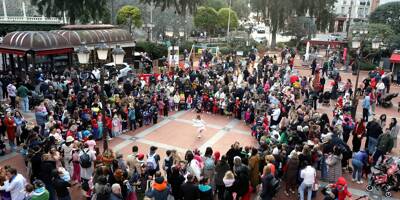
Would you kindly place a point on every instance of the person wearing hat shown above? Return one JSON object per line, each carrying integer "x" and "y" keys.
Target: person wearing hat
{"x": 66, "y": 150}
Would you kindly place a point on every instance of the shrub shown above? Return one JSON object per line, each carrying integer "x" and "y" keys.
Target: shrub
{"x": 154, "y": 50}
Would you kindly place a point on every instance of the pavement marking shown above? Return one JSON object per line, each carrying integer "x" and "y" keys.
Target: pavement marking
{"x": 215, "y": 138}
{"x": 122, "y": 145}
{"x": 8, "y": 156}
{"x": 191, "y": 122}
{"x": 162, "y": 145}
{"x": 138, "y": 137}
{"x": 149, "y": 130}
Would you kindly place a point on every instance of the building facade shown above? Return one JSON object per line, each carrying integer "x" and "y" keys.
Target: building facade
{"x": 349, "y": 12}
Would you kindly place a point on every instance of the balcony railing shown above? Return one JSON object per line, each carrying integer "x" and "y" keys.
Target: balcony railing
{"x": 30, "y": 20}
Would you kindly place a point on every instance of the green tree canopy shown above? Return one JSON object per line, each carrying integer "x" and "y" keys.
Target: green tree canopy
{"x": 387, "y": 14}
{"x": 180, "y": 6}
{"x": 300, "y": 27}
{"x": 206, "y": 18}
{"x": 216, "y": 4}
{"x": 223, "y": 16}
{"x": 127, "y": 12}
{"x": 241, "y": 8}
{"x": 75, "y": 9}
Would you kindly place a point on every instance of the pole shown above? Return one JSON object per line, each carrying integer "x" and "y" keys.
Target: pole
{"x": 4, "y": 9}
{"x": 151, "y": 22}
{"x": 348, "y": 19}
{"x": 355, "y": 101}
{"x": 104, "y": 104}
{"x": 229, "y": 18}
{"x": 112, "y": 12}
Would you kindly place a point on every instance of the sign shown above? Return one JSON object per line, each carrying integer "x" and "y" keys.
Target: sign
{"x": 239, "y": 53}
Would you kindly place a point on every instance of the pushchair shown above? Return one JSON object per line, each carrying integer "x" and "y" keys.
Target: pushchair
{"x": 385, "y": 177}
{"x": 386, "y": 100}
{"x": 325, "y": 98}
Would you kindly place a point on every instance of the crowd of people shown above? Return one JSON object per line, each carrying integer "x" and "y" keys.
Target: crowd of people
{"x": 279, "y": 105}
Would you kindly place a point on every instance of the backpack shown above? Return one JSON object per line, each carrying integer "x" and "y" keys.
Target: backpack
{"x": 85, "y": 160}
{"x": 151, "y": 162}
{"x": 209, "y": 164}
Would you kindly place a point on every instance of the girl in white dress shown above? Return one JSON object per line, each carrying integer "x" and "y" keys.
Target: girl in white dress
{"x": 200, "y": 124}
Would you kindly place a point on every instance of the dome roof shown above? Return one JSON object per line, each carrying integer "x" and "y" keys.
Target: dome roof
{"x": 34, "y": 40}
{"x": 95, "y": 36}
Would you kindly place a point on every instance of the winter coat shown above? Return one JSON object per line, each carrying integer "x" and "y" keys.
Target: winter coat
{"x": 220, "y": 169}
{"x": 159, "y": 190}
{"x": 385, "y": 143}
{"x": 334, "y": 163}
{"x": 254, "y": 163}
{"x": 292, "y": 169}
{"x": 10, "y": 124}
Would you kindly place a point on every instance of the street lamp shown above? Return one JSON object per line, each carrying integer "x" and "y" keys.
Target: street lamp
{"x": 102, "y": 54}
{"x": 118, "y": 55}
{"x": 357, "y": 43}
{"x": 83, "y": 54}
{"x": 376, "y": 42}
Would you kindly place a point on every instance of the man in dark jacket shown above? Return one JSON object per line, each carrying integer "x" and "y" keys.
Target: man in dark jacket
{"x": 61, "y": 186}
{"x": 385, "y": 143}
{"x": 189, "y": 189}
{"x": 374, "y": 130}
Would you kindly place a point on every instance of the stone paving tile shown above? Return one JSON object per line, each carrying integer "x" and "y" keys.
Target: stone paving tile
{"x": 181, "y": 135}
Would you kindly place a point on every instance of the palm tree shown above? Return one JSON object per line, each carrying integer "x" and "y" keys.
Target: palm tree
{"x": 74, "y": 9}
{"x": 181, "y": 6}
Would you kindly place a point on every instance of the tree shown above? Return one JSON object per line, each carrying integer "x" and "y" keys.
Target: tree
{"x": 180, "y": 6}
{"x": 387, "y": 14}
{"x": 216, "y": 4}
{"x": 241, "y": 8}
{"x": 127, "y": 13}
{"x": 206, "y": 18}
{"x": 386, "y": 33}
{"x": 223, "y": 19}
{"x": 278, "y": 12}
{"x": 74, "y": 9}
{"x": 301, "y": 27}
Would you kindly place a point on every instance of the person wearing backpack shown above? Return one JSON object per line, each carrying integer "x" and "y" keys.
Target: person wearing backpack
{"x": 209, "y": 166}
{"x": 152, "y": 161}
{"x": 86, "y": 158}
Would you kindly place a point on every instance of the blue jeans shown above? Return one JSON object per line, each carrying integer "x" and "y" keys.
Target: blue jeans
{"x": 303, "y": 187}
{"x": 372, "y": 142}
{"x": 324, "y": 168}
{"x": 25, "y": 104}
{"x": 357, "y": 171}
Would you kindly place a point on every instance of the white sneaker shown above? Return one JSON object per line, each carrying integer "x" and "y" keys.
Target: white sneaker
{"x": 353, "y": 179}
{"x": 360, "y": 182}
{"x": 199, "y": 136}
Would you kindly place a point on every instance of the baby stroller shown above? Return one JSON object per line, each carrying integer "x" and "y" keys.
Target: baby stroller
{"x": 386, "y": 100}
{"x": 325, "y": 98}
{"x": 385, "y": 177}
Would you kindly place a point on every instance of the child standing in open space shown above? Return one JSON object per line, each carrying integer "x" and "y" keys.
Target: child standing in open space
{"x": 200, "y": 124}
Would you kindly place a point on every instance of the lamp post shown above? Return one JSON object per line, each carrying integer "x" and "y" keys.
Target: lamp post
{"x": 358, "y": 43}
{"x": 102, "y": 53}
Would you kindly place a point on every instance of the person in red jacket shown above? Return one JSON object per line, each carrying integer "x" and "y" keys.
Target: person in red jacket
{"x": 108, "y": 127}
{"x": 341, "y": 188}
{"x": 11, "y": 127}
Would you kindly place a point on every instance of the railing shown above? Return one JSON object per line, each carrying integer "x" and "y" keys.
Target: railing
{"x": 30, "y": 20}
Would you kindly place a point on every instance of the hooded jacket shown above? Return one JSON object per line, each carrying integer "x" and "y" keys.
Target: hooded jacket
{"x": 341, "y": 187}
{"x": 205, "y": 192}
{"x": 159, "y": 190}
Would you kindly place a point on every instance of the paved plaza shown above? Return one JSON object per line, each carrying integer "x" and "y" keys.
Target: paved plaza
{"x": 177, "y": 132}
